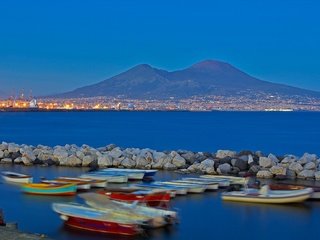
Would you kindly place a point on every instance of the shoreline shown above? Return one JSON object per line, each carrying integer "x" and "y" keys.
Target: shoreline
{"x": 221, "y": 162}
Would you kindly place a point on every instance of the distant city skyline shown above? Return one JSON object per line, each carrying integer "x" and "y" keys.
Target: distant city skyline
{"x": 56, "y": 46}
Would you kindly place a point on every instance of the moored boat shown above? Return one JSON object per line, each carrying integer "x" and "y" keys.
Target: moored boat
{"x": 265, "y": 195}
{"x": 132, "y": 175}
{"x": 208, "y": 185}
{"x": 13, "y": 177}
{"x": 49, "y": 189}
{"x": 91, "y": 219}
{"x": 156, "y": 217}
{"x": 283, "y": 186}
{"x": 232, "y": 179}
{"x": 81, "y": 185}
{"x": 149, "y": 198}
{"x": 191, "y": 188}
{"x": 222, "y": 182}
{"x": 93, "y": 182}
{"x": 147, "y": 172}
{"x": 109, "y": 177}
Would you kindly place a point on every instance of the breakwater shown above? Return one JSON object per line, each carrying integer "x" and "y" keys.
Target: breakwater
{"x": 224, "y": 162}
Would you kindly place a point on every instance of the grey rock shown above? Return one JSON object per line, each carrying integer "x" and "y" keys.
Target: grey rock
{"x": 250, "y": 159}
{"x": 264, "y": 174}
{"x": 3, "y": 146}
{"x": 194, "y": 167}
{"x": 26, "y": 161}
{"x": 210, "y": 170}
{"x": 310, "y": 166}
{"x": 80, "y": 154}
{"x": 116, "y": 153}
{"x": 296, "y": 167}
{"x": 189, "y": 157}
{"x": 12, "y": 147}
{"x": 169, "y": 166}
{"x": 18, "y": 160}
{"x": 291, "y": 174}
{"x": 224, "y": 168}
{"x": 110, "y": 147}
{"x": 244, "y": 158}
{"x": 273, "y": 158}
{"x": 307, "y": 157}
{"x": 128, "y": 163}
{"x": 60, "y": 154}
{"x": 178, "y": 161}
{"x": 87, "y": 160}
{"x": 199, "y": 157}
{"x": 306, "y": 174}
{"x": 6, "y": 160}
{"x": 225, "y": 153}
{"x": 259, "y": 154}
{"x": 28, "y": 154}
{"x": 254, "y": 169}
{"x": 1, "y": 154}
{"x": 265, "y": 162}
{"x": 208, "y": 163}
{"x": 317, "y": 175}
{"x": 278, "y": 170}
{"x": 160, "y": 159}
{"x": 71, "y": 161}
{"x": 241, "y": 164}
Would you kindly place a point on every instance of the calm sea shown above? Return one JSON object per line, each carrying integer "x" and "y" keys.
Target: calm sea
{"x": 201, "y": 216}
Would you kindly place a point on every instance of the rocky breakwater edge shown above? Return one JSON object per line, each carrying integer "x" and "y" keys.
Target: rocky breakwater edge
{"x": 222, "y": 162}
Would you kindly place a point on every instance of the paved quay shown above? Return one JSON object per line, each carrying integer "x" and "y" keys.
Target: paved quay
{"x": 8, "y": 233}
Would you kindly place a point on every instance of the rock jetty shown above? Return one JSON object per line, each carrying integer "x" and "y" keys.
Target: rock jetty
{"x": 241, "y": 163}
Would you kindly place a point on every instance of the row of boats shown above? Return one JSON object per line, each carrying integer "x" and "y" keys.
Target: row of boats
{"x": 127, "y": 210}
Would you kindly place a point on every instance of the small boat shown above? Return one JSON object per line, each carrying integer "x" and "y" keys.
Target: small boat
{"x": 191, "y": 188}
{"x": 91, "y": 219}
{"x": 81, "y": 185}
{"x": 13, "y": 177}
{"x": 232, "y": 179}
{"x": 283, "y": 186}
{"x": 149, "y": 198}
{"x": 130, "y": 173}
{"x": 156, "y": 217}
{"x": 147, "y": 172}
{"x": 222, "y": 182}
{"x": 265, "y": 195}
{"x": 109, "y": 177}
{"x": 208, "y": 185}
{"x": 177, "y": 190}
{"x": 50, "y": 189}
{"x": 93, "y": 182}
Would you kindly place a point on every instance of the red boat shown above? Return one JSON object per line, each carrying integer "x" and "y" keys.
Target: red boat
{"x": 90, "y": 219}
{"x": 152, "y": 199}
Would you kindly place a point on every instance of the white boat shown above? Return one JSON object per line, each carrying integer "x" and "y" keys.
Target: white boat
{"x": 14, "y": 177}
{"x": 177, "y": 190}
{"x": 132, "y": 175}
{"x": 110, "y": 178}
{"x": 221, "y": 182}
{"x": 93, "y": 182}
{"x": 265, "y": 195}
{"x": 232, "y": 179}
{"x": 191, "y": 188}
{"x": 147, "y": 172}
{"x": 208, "y": 185}
{"x": 80, "y": 185}
{"x": 157, "y": 217}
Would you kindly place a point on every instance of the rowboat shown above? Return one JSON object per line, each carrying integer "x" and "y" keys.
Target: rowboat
{"x": 208, "y": 185}
{"x": 90, "y": 219}
{"x": 150, "y": 198}
{"x": 178, "y": 190}
{"x": 81, "y": 185}
{"x": 265, "y": 195}
{"x": 191, "y": 188}
{"x": 109, "y": 177}
{"x": 232, "y": 179}
{"x": 156, "y": 217}
{"x": 147, "y": 172}
{"x": 14, "y": 177}
{"x": 221, "y": 182}
{"x": 131, "y": 174}
{"x": 49, "y": 189}
{"x": 282, "y": 186}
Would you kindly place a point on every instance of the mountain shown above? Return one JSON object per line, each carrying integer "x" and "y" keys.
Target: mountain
{"x": 201, "y": 79}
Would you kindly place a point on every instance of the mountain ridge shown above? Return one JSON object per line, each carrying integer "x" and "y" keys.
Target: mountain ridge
{"x": 208, "y": 77}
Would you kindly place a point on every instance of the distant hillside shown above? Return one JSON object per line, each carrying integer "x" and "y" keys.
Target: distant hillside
{"x": 201, "y": 79}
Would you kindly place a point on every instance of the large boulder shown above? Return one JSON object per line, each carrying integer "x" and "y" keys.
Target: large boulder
{"x": 3, "y": 146}
{"x": 71, "y": 161}
{"x": 80, "y": 154}
{"x": 169, "y": 166}
{"x": 241, "y": 164}
{"x": 225, "y": 153}
{"x": 27, "y": 153}
{"x": 87, "y": 160}
{"x": 306, "y": 174}
{"x": 224, "y": 168}
{"x": 317, "y": 175}
{"x": 307, "y": 157}
{"x": 264, "y": 174}
{"x": 273, "y": 158}
{"x": 265, "y": 162}
{"x": 1, "y": 154}
{"x": 190, "y": 157}
{"x": 278, "y": 170}
{"x": 295, "y": 166}
{"x": 208, "y": 163}
{"x": 26, "y": 161}
{"x": 194, "y": 167}
{"x": 18, "y": 160}
{"x": 128, "y": 163}
{"x": 116, "y": 153}
{"x": 13, "y": 148}
{"x": 310, "y": 166}
{"x": 289, "y": 159}
{"x": 6, "y": 160}
{"x": 160, "y": 159}
{"x": 60, "y": 154}
{"x": 178, "y": 161}
{"x": 254, "y": 169}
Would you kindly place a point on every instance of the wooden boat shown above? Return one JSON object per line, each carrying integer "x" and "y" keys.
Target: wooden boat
{"x": 81, "y": 185}
{"x": 90, "y": 219}
{"x": 221, "y": 182}
{"x": 232, "y": 179}
{"x": 156, "y": 217}
{"x": 283, "y": 186}
{"x": 147, "y": 172}
{"x": 50, "y": 189}
{"x": 93, "y": 182}
{"x": 109, "y": 177}
{"x": 150, "y": 198}
{"x": 132, "y": 175}
{"x": 191, "y": 188}
{"x": 208, "y": 185}
{"x": 13, "y": 177}
{"x": 265, "y": 195}
{"x": 176, "y": 190}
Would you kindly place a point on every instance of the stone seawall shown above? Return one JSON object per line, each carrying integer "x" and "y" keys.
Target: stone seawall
{"x": 221, "y": 162}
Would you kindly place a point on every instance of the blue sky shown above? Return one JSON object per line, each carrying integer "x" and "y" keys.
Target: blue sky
{"x": 54, "y": 46}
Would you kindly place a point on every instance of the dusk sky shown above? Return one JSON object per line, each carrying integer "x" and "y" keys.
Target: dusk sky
{"x": 55, "y": 46}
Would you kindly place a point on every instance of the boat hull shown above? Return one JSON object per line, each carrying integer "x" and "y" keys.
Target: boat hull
{"x": 49, "y": 190}
{"x": 13, "y": 177}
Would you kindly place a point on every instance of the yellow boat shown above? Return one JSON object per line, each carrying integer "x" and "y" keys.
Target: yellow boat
{"x": 50, "y": 189}
{"x": 264, "y": 195}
